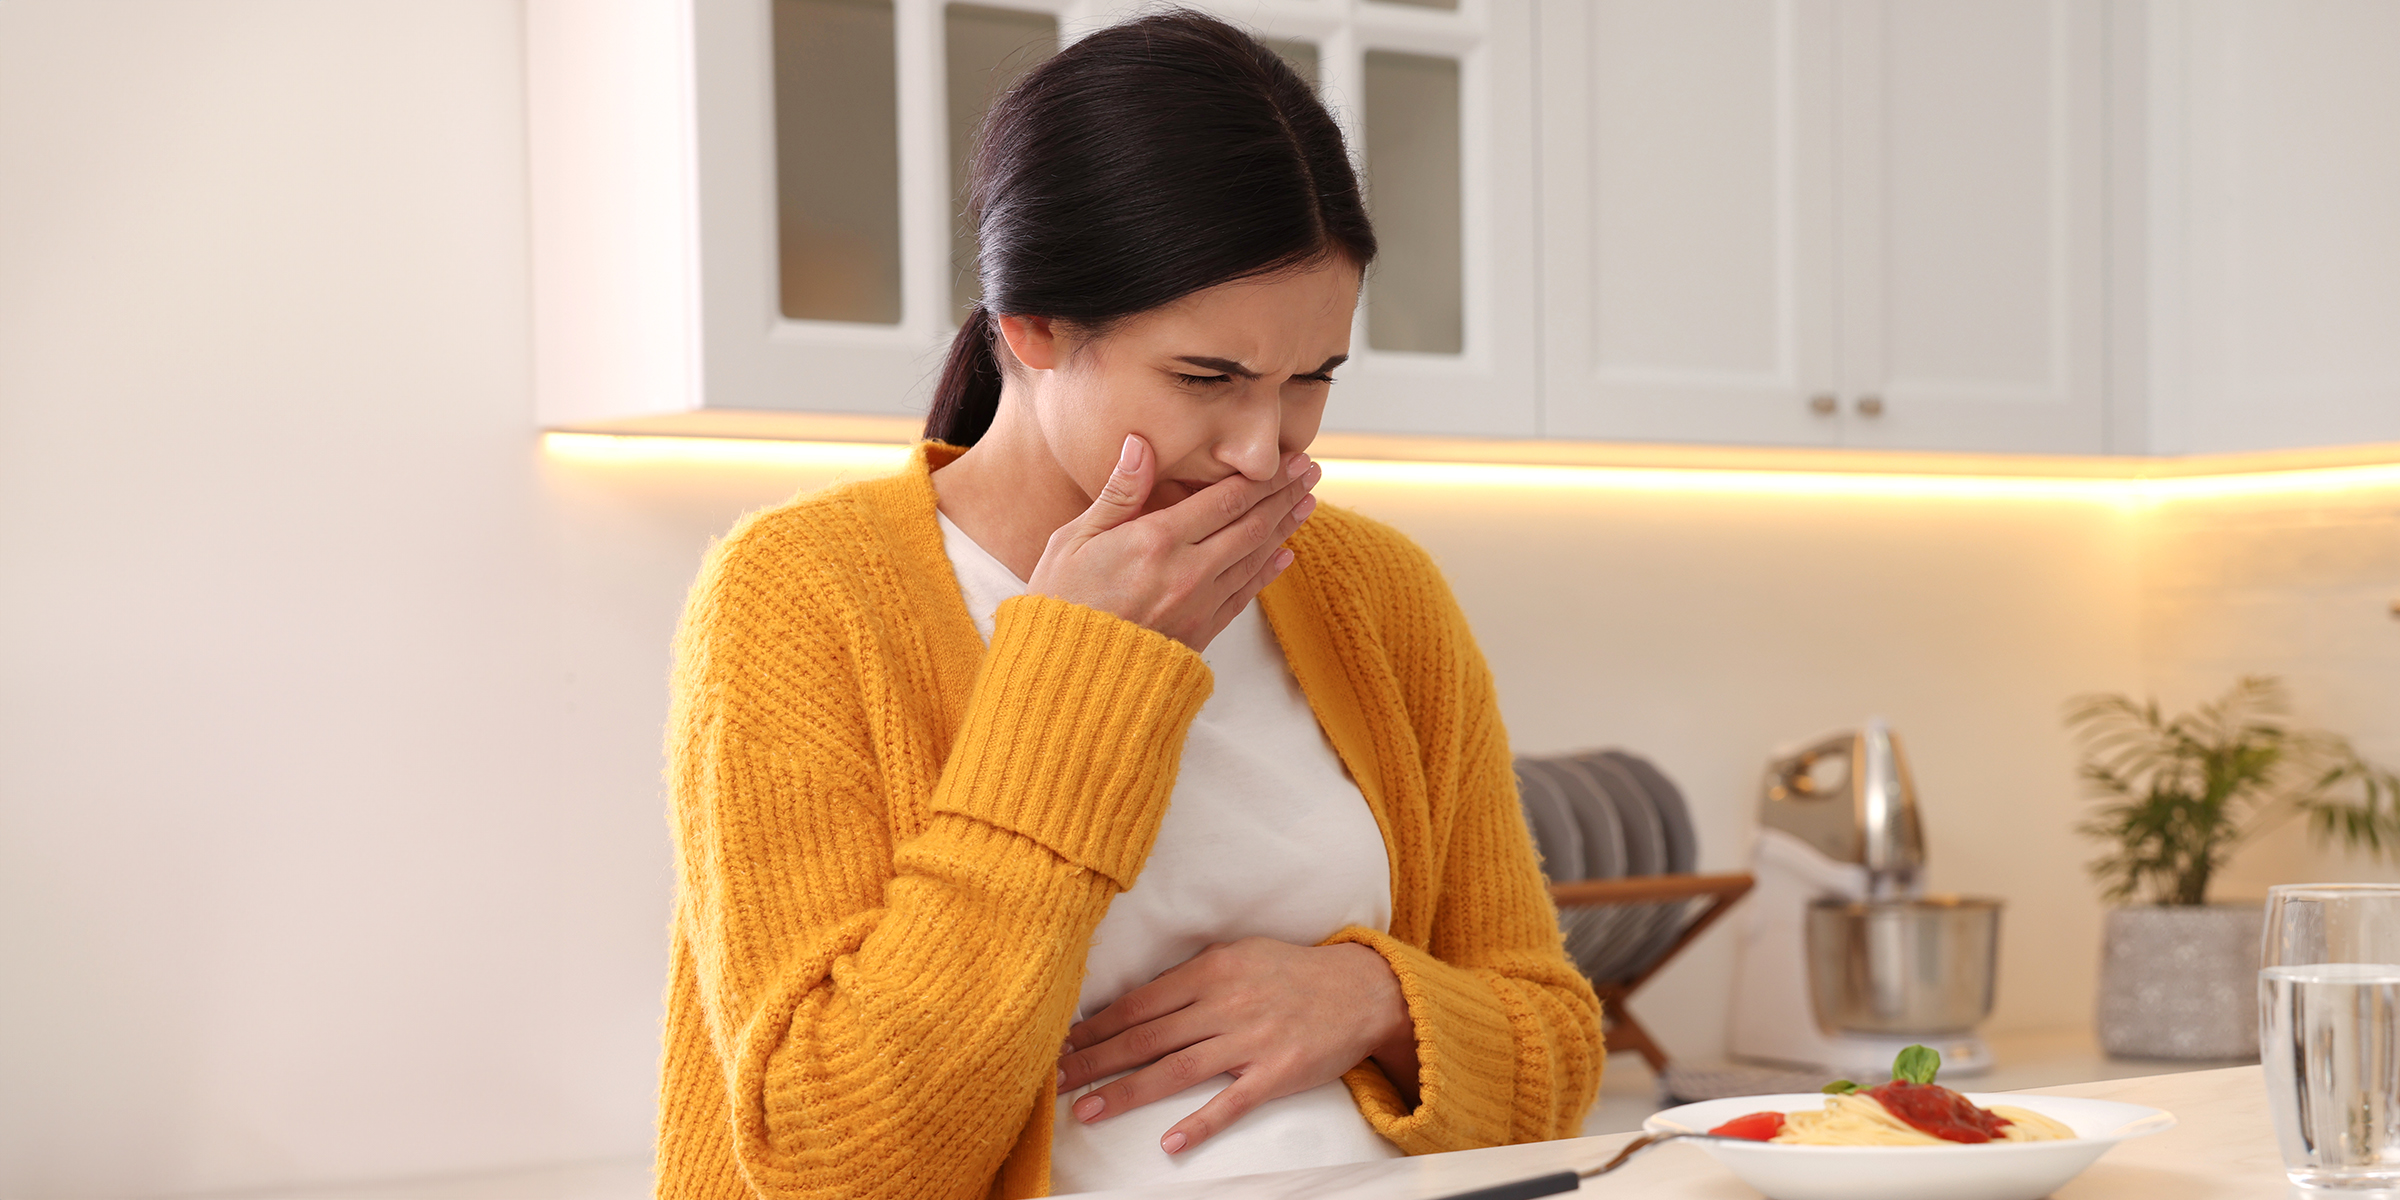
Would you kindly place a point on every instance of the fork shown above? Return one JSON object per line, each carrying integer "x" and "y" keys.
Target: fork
{"x": 1567, "y": 1181}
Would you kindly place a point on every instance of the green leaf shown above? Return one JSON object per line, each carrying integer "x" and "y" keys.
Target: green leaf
{"x": 1917, "y": 1064}
{"x": 1839, "y": 1087}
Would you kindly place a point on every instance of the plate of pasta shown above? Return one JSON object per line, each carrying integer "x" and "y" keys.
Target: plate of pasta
{"x": 1909, "y": 1138}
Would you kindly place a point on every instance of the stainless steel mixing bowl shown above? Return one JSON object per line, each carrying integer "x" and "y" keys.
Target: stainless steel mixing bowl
{"x": 1921, "y": 966}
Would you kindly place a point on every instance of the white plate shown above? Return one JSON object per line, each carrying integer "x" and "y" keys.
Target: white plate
{"x": 1991, "y": 1171}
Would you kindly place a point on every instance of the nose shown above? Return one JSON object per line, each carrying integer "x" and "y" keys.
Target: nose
{"x": 1253, "y": 444}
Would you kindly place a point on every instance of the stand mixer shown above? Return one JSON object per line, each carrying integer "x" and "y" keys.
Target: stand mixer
{"x": 1844, "y": 960}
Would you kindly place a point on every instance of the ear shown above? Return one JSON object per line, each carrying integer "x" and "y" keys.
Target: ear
{"x": 1032, "y": 339}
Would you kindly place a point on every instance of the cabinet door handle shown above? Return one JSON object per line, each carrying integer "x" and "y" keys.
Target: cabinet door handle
{"x": 1823, "y": 404}
{"x": 1870, "y": 406}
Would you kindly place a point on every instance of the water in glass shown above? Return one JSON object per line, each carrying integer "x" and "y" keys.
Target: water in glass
{"x": 2330, "y": 1040}
{"x": 2329, "y": 1032}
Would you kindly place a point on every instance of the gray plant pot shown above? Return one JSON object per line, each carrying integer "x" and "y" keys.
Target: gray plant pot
{"x": 2181, "y": 982}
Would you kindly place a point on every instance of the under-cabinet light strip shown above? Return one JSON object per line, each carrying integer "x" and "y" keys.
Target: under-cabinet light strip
{"x": 847, "y": 457}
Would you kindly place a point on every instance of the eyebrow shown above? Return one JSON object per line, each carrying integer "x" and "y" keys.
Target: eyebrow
{"x": 1230, "y": 367}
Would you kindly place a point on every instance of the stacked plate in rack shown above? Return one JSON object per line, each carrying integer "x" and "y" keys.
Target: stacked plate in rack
{"x": 1607, "y": 814}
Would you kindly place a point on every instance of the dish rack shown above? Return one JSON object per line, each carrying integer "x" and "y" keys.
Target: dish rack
{"x": 1618, "y": 846}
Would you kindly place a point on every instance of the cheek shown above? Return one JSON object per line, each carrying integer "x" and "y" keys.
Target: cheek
{"x": 1110, "y": 406}
{"x": 1087, "y": 419}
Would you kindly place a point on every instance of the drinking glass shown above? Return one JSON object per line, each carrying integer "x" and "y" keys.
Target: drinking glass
{"x": 2329, "y": 1031}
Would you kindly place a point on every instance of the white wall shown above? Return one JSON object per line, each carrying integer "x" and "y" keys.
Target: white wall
{"x": 323, "y": 852}
{"x": 331, "y": 838}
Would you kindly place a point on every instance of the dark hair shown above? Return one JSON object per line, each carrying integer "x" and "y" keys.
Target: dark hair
{"x": 1145, "y": 162}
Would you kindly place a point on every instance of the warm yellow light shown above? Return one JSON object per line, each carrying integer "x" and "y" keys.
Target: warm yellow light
{"x": 711, "y": 451}
{"x": 879, "y": 457}
{"x": 2259, "y": 483}
{"x": 1717, "y": 481}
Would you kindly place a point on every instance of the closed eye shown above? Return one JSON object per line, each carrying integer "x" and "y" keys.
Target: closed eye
{"x": 1203, "y": 379}
{"x": 1319, "y": 377}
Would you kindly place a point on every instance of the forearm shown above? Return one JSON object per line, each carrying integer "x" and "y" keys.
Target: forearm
{"x": 886, "y": 972}
{"x": 933, "y": 1027}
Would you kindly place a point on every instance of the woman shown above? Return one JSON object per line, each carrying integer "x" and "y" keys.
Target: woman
{"x": 1019, "y": 849}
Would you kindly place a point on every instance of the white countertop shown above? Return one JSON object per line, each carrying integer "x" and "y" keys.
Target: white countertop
{"x": 2222, "y": 1147}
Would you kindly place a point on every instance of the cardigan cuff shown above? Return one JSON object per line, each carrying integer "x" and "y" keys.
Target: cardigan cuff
{"x": 1074, "y": 732}
{"x": 1466, "y": 1056}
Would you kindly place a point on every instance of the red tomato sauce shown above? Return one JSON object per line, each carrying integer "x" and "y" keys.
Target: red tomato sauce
{"x": 1757, "y": 1126}
{"x": 1939, "y": 1111}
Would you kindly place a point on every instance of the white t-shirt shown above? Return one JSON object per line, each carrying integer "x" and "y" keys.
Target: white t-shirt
{"x": 1265, "y": 836}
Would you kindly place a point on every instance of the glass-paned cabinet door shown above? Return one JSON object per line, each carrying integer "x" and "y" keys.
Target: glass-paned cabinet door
{"x": 837, "y": 161}
{"x": 1437, "y": 97}
{"x": 984, "y": 51}
{"x": 834, "y": 276}
{"x": 1413, "y": 175}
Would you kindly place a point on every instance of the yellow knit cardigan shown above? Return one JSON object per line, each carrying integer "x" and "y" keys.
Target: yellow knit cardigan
{"x": 894, "y": 844}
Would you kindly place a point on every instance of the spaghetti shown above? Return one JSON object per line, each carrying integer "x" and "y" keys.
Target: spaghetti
{"x": 1859, "y": 1119}
{"x": 1911, "y": 1110}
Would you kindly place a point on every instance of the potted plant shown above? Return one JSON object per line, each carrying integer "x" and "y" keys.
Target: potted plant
{"x": 2178, "y": 795}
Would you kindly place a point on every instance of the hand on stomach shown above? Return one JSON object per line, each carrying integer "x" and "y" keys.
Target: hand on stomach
{"x": 1266, "y": 1018}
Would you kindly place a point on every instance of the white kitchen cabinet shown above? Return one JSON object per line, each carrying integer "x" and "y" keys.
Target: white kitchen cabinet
{"x": 694, "y": 273}
{"x": 2268, "y": 299}
{"x": 1873, "y": 223}
{"x": 2059, "y": 226}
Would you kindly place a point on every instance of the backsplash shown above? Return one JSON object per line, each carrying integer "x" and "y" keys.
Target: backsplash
{"x": 2299, "y": 585}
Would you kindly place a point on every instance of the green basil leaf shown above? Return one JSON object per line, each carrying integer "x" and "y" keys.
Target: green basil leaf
{"x": 1917, "y": 1064}
{"x": 1839, "y": 1087}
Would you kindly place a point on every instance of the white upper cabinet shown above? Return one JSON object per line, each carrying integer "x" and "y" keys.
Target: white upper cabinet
{"x": 2272, "y": 222}
{"x": 2050, "y": 226}
{"x": 746, "y": 208}
{"x": 1871, "y": 223}
{"x": 1688, "y": 261}
{"x": 1974, "y": 208}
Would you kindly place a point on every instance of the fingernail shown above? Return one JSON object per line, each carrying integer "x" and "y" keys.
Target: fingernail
{"x": 1307, "y": 505}
{"x": 1131, "y": 454}
{"x": 1065, "y": 1049}
{"x": 1300, "y": 463}
{"x": 1283, "y": 558}
{"x": 1089, "y": 1107}
{"x": 1062, "y": 1079}
{"x": 1172, "y": 1143}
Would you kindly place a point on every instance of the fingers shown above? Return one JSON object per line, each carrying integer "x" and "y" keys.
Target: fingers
{"x": 1140, "y": 1045}
{"x": 1192, "y": 1064}
{"x": 1250, "y": 574}
{"x": 1246, "y": 1092}
{"x": 1268, "y": 522}
{"x": 1240, "y": 597}
{"x": 1142, "y": 1005}
{"x": 1230, "y": 499}
{"x": 1242, "y": 569}
{"x": 1120, "y": 499}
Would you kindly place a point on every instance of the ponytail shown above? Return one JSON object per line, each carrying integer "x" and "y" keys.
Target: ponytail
{"x": 968, "y": 395}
